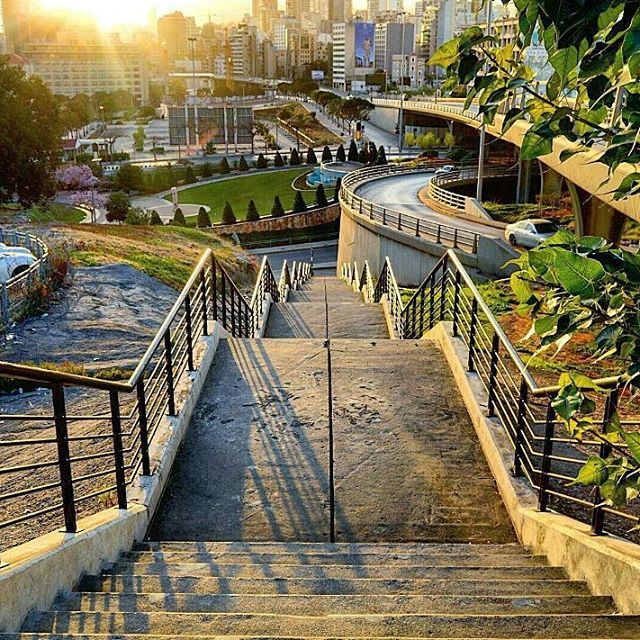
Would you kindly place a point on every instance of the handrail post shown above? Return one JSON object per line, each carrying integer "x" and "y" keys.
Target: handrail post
{"x": 493, "y": 372}
{"x": 455, "y": 238}
{"x": 547, "y": 450}
{"x": 417, "y": 227}
{"x": 144, "y": 428}
{"x": 189, "y": 327}
{"x": 64, "y": 458}
{"x": 214, "y": 287}
{"x": 443, "y": 290}
{"x": 597, "y": 516}
{"x": 472, "y": 334}
{"x": 168, "y": 355}
{"x": 232, "y": 295}
{"x": 399, "y": 221}
{"x": 384, "y": 216}
{"x": 456, "y": 302}
{"x": 116, "y": 425}
{"x": 432, "y": 296}
{"x": 223, "y": 286}
{"x": 371, "y": 211}
{"x": 522, "y": 407}
{"x": 205, "y": 310}
{"x": 439, "y": 235}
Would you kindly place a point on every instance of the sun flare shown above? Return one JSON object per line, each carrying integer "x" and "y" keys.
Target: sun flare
{"x": 107, "y": 14}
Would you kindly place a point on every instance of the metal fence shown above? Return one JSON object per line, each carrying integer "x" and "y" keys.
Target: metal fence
{"x": 14, "y": 294}
{"x": 407, "y": 223}
{"x": 543, "y": 451}
{"x": 64, "y": 463}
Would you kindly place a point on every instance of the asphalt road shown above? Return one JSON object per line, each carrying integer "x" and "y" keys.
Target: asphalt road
{"x": 400, "y": 193}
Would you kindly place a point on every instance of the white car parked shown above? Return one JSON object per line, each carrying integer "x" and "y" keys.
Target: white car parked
{"x": 13, "y": 263}
{"x": 530, "y": 233}
{"x": 447, "y": 168}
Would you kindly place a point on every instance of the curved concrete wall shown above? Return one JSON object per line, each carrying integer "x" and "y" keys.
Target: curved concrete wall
{"x": 412, "y": 257}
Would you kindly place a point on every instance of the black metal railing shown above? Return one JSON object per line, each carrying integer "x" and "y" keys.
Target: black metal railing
{"x": 447, "y": 235}
{"x": 61, "y": 464}
{"x": 543, "y": 451}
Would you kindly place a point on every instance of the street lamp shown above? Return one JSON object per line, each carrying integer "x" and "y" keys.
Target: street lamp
{"x": 192, "y": 41}
{"x": 401, "y": 114}
{"x": 483, "y": 129}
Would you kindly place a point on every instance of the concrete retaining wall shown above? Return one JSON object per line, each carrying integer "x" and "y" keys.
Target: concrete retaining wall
{"x": 39, "y": 569}
{"x": 609, "y": 565}
{"x": 311, "y": 218}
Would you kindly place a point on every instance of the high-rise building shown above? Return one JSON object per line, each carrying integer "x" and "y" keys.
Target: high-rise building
{"x": 408, "y": 69}
{"x": 374, "y": 7}
{"x": 353, "y": 55}
{"x": 18, "y": 19}
{"x": 265, "y": 12}
{"x": 174, "y": 31}
{"x": 244, "y": 42}
{"x": 339, "y": 10}
{"x": 392, "y": 38}
{"x": 297, "y": 8}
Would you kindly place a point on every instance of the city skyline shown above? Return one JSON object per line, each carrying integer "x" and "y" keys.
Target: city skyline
{"x": 122, "y": 12}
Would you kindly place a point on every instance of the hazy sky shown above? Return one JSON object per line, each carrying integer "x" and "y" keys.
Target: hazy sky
{"x": 111, "y": 12}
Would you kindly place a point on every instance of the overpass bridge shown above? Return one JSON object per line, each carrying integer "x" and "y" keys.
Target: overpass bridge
{"x": 315, "y": 458}
{"x": 591, "y": 190}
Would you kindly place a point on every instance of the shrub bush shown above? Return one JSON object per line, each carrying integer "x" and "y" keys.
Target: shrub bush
{"x": 311, "y": 156}
{"x": 341, "y": 156}
{"x": 228, "y": 216}
{"x": 299, "y": 205}
{"x": 382, "y": 156}
{"x": 295, "y": 158}
{"x": 252, "y": 212}
{"x": 178, "y": 218}
{"x": 155, "y": 220}
{"x": 189, "y": 175}
{"x": 277, "y": 209}
{"x": 321, "y": 196}
{"x": 206, "y": 170}
{"x": 353, "y": 152}
{"x": 224, "y": 166}
{"x": 242, "y": 165}
{"x": 327, "y": 156}
{"x": 261, "y": 162}
{"x": 278, "y": 160}
{"x": 336, "y": 197}
{"x": 204, "y": 220}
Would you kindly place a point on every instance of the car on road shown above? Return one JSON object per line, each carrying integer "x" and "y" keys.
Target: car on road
{"x": 447, "y": 168}
{"x": 530, "y": 233}
{"x": 14, "y": 261}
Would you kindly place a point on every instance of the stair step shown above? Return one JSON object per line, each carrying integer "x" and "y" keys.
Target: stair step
{"x": 135, "y": 636}
{"x": 301, "y": 586}
{"x": 358, "y": 548}
{"x": 322, "y": 605}
{"x": 450, "y": 626}
{"x": 339, "y": 571}
{"x": 348, "y": 559}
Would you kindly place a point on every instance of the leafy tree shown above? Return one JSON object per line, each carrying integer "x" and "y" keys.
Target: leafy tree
{"x": 311, "y": 156}
{"x": 295, "y": 158}
{"x": 177, "y": 90}
{"x": 228, "y": 216}
{"x": 156, "y": 93}
{"x": 118, "y": 205}
{"x": 382, "y": 156}
{"x": 178, "y": 218}
{"x": 277, "y": 210}
{"x": 155, "y": 220}
{"x": 242, "y": 165}
{"x": 206, "y": 170}
{"x": 356, "y": 110}
{"x": 204, "y": 220}
{"x": 327, "y": 156}
{"x": 30, "y": 132}
{"x": 340, "y": 154}
{"x": 278, "y": 161}
{"x": 137, "y": 217}
{"x": 299, "y": 205}
{"x": 129, "y": 177}
{"x": 209, "y": 148}
{"x": 569, "y": 286}
{"x": 321, "y": 196}
{"x": 261, "y": 162}
{"x": 410, "y": 139}
{"x": 594, "y": 51}
{"x": 224, "y": 166}
{"x": 429, "y": 141}
{"x": 138, "y": 139}
{"x": 449, "y": 140}
{"x": 252, "y": 212}
{"x": 189, "y": 175}
{"x": 353, "y": 152}
{"x": 336, "y": 197}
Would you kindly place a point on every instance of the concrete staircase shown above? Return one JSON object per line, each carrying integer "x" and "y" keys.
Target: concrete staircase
{"x": 317, "y": 590}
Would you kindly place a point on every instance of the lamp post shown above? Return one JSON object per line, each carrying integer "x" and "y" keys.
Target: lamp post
{"x": 192, "y": 41}
{"x": 481, "y": 151}
{"x": 401, "y": 113}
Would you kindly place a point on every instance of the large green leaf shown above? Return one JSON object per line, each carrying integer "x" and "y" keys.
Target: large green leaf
{"x": 534, "y": 146}
{"x": 578, "y": 275}
{"x": 633, "y": 442}
{"x": 447, "y": 54}
{"x": 564, "y": 62}
{"x": 593, "y": 473}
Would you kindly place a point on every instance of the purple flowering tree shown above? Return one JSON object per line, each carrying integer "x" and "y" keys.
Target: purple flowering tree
{"x": 76, "y": 178}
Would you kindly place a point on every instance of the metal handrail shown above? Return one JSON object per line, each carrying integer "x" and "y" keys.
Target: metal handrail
{"x": 524, "y": 409}
{"x": 418, "y": 227}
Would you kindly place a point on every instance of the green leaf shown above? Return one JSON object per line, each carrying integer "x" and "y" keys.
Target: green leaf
{"x": 593, "y": 473}
{"x": 564, "y": 62}
{"x": 447, "y": 54}
{"x": 566, "y": 403}
{"x": 534, "y": 146}
{"x": 631, "y": 44}
{"x": 521, "y": 287}
{"x": 577, "y": 274}
{"x": 511, "y": 117}
{"x": 633, "y": 442}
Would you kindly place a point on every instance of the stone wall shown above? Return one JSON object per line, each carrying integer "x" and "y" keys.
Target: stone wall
{"x": 311, "y": 218}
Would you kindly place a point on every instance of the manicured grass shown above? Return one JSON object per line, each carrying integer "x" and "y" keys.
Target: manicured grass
{"x": 57, "y": 213}
{"x": 261, "y": 187}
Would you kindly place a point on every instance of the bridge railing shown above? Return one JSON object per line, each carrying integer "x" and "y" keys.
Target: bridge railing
{"x": 431, "y": 103}
{"x": 62, "y": 463}
{"x": 543, "y": 451}
{"x": 440, "y": 233}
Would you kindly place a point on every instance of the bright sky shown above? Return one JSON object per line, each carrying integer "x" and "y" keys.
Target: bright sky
{"x": 118, "y": 12}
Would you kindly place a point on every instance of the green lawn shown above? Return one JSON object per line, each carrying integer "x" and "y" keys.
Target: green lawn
{"x": 262, "y": 188}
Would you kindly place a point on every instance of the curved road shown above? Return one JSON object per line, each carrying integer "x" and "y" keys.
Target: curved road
{"x": 400, "y": 193}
